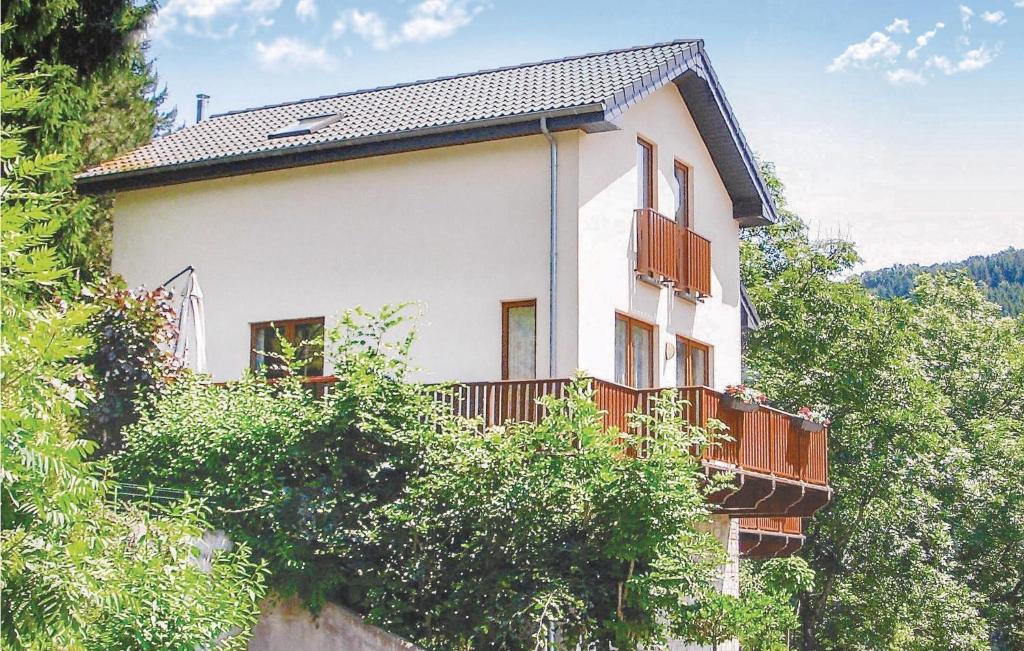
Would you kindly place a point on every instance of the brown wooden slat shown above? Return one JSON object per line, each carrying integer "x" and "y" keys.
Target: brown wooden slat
{"x": 657, "y": 248}
{"x": 773, "y": 525}
{"x": 765, "y": 441}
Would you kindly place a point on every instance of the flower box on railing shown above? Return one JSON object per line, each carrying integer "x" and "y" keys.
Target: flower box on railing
{"x": 736, "y": 404}
{"x": 810, "y": 420}
{"x": 740, "y": 397}
{"x": 805, "y": 425}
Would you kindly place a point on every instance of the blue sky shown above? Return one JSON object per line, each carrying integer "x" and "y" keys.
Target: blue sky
{"x": 897, "y": 124}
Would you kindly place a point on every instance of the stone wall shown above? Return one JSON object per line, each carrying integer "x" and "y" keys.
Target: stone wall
{"x": 286, "y": 625}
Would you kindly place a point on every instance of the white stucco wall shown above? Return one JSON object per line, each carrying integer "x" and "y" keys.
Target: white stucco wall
{"x": 458, "y": 229}
{"x": 608, "y": 283}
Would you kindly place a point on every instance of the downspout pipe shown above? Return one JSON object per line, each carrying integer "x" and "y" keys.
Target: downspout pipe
{"x": 552, "y": 246}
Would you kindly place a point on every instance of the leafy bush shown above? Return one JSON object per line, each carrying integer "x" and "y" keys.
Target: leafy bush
{"x": 130, "y": 360}
{"x": 378, "y": 498}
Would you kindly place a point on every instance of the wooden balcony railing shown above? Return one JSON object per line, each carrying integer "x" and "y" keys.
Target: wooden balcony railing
{"x": 770, "y": 537}
{"x": 671, "y": 253}
{"x": 766, "y": 441}
{"x": 779, "y": 526}
{"x": 694, "y": 263}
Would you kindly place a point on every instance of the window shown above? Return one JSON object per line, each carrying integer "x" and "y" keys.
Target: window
{"x": 682, "y": 173}
{"x": 645, "y": 174}
{"x": 519, "y": 340}
{"x": 693, "y": 363}
{"x": 634, "y": 352}
{"x": 306, "y": 335}
{"x": 305, "y": 126}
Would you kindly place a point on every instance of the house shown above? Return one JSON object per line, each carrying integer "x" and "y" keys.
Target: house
{"x": 579, "y": 213}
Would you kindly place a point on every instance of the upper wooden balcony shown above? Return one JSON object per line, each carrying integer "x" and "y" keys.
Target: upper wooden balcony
{"x": 770, "y": 537}
{"x": 672, "y": 254}
{"x": 778, "y": 469}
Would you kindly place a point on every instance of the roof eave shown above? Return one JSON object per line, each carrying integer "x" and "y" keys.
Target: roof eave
{"x": 590, "y": 118}
{"x": 720, "y": 130}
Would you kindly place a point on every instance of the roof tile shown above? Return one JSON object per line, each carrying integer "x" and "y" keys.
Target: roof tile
{"x": 447, "y": 101}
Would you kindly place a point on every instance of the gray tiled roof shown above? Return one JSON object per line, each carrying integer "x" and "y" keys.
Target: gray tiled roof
{"x": 610, "y": 80}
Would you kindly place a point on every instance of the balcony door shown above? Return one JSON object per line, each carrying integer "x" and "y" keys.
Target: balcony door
{"x": 693, "y": 363}
{"x": 634, "y": 352}
{"x": 645, "y": 174}
{"x": 682, "y": 177}
{"x": 519, "y": 340}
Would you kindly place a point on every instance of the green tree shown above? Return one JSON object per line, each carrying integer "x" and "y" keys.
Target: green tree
{"x": 81, "y": 569}
{"x": 1000, "y": 276}
{"x": 904, "y": 382}
{"x": 379, "y": 498}
{"x": 976, "y": 357}
{"x": 100, "y": 99}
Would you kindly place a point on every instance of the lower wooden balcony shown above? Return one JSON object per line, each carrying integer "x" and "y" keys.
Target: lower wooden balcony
{"x": 770, "y": 537}
{"x": 778, "y": 469}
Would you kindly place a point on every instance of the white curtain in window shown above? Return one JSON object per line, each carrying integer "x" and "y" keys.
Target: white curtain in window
{"x": 620, "y": 351}
{"x": 642, "y": 356}
{"x": 522, "y": 343}
{"x": 699, "y": 365}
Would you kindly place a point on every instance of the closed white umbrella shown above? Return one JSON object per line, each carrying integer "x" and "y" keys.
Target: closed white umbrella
{"x": 191, "y": 345}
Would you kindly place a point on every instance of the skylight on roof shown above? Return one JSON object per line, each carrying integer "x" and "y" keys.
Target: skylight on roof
{"x": 305, "y": 126}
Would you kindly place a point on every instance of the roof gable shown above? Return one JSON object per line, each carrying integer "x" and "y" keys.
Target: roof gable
{"x": 587, "y": 92}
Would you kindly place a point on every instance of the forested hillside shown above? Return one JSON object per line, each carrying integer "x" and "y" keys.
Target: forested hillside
{"x": 1001, "y": 276}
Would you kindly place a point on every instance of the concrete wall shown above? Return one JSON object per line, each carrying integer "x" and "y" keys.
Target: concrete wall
{"x": 288, "y": 626}
{"x": 727, "y": 531}
{"x": 457, "y": 229}
{"x": 608, "y": 282}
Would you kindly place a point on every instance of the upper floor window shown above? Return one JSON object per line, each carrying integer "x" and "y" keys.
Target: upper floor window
{"x": 634, "y": 352}
{"x": 682, "y": 177}
{"x": 519, "y": 340}
{"x": 305, "y": 335}
{"x": 645, "y": 174}
{"x": 693, "y": 363}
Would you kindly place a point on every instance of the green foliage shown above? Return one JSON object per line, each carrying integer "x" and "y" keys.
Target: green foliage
{"x": 378, "y": 498}
{"x": 768, "y": 590}
{"x": 1000, "y": 275}
{"x": 100, "y": 100}
{"x": 131, "y": 331}
{"x": 79, "y": 569}
{"x": 913, "y": 388}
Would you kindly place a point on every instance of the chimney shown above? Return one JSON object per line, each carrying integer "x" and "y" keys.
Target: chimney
{"x": 202, "y": 105}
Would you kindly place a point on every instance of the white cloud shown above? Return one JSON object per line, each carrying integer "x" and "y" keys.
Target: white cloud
{"x": 994, "y": 17}
{"x": 306, "y": 9}
{"x": 875, "y": 48}
{"x": 285, "y": 54}
{"x": 263, "y": 6}
{"x": 1019, "y": 4}
{"x": 941, "y": 63}
{"x": 904, "y": 77}
{"x": 368, "y": 25}
{"x": 428, "y": 20}
{"x": 201, "y": 8}
{"x": 965, "y": 17}
{"x": 433, "y": 19}
{"x": 899, "y": 26}
{"x": 976, "y": 59}
{"x": 971, "y": 61}
{"x": 922, "y": 40}
{"x": 206, "y": 18}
